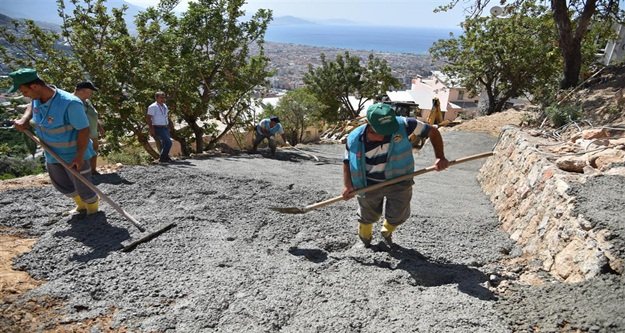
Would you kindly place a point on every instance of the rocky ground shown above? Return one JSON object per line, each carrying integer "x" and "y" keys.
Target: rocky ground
{"x": 232, "y": 264}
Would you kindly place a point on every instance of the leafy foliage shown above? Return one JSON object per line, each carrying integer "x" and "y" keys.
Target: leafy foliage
{"x": 560, "y": 115}
{"x": 129, "y": 154}
{"x": 298, "y": 110}
{"x": 200, "y": 59}
{"x": 203, "y": 61}
{"x": 334, "y": 81}
{"x": 574, "y": 20}
{"x": 504, "y": 57}
{"x": 11, "y": 167}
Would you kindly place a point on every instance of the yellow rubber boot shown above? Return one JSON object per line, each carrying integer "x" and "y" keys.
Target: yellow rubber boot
{"x": 92, "y": 208}
{"x": 387, "y": 232}
{"x": 365, "y": 232}
{"x": 81, "y": 207}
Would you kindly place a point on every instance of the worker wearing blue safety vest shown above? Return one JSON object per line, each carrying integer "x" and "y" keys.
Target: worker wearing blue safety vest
{"x": 380, "y": 151}
{"x": 60, "y": 121}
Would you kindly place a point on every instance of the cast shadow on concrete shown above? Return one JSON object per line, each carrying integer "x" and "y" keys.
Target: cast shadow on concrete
{"x": 110, "y": 178}
{"x": 281, "y": 155}
{"x": 96, "y": 234}
{"x": 433, "y": 274}
{"x": 314, "y": 255}
{"x": 184, "y": 162}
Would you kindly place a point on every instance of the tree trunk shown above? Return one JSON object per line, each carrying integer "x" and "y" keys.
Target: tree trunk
{"x": 197, "y": 132}
{"x": 143, "y": 140}
{"x": 572, "y": 64}
{"x": 184, "y": 145}
{"x": 570, "y": 41}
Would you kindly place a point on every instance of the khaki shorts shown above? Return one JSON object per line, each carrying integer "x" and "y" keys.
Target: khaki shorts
{"x": 396, "y": 208}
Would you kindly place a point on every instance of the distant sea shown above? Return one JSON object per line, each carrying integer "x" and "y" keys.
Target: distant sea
{"x": 414, "y": 40}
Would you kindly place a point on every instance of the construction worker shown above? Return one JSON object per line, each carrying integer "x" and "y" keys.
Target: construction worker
{"x": 60, "y": 121}
{"x": 267, "y": 129}
{"x": 380, "y": 151}
{"x": 157, "y": 118}
{"x": 436, "y": 116}
{"x": 84, "y": 90}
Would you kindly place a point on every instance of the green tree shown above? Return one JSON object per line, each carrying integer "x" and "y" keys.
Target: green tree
{"x": 504, "y": 57}
{"x": 334, "y": 81}
{"x": 200, "y": 59}
{"x": 573, "y": 19}
{"x": 204, "y": 63}
{"x": 95, "y": 44}
{"x": 298, "y": 110}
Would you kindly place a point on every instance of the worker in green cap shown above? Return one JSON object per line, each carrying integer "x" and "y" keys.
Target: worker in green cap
{"x": 60, "y": 121}
{"x": 380, "y": 151}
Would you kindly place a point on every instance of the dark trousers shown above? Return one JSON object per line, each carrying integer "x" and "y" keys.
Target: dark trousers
{"x": 272, "y": 142}
{"x": 162, "y": 135}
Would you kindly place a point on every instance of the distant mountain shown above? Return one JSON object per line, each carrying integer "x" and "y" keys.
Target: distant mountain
{"x": 8, "y": 21}
{"x": 338, "y": 22}
{"x": 5, "y": 20}
{"x": 46, "y": 10}
{"x": 290, "y": 20}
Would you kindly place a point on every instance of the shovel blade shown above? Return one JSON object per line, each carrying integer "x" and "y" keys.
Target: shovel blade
{"x": 147, "y": 237}
{"x": 288, "y": 210}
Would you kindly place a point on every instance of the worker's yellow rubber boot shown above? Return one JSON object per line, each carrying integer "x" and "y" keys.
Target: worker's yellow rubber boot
{"x": 387, "y": 232}
{"x": 365, "y": 232}
{"x": 81, "y": 207}
{"x": 92, "y": 208}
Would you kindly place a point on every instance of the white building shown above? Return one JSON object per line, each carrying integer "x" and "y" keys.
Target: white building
{"x": 453, "y": 98}
{"x": 615, "y": 49}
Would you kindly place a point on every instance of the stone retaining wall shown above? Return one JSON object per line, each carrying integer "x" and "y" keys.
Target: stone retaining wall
{"x": 530, "y": 196}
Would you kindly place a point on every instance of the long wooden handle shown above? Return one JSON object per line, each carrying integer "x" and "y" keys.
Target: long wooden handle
{"x": 84, "y": 180}
{"x": 396, "y": 180}
{"x": 306, "y": 153}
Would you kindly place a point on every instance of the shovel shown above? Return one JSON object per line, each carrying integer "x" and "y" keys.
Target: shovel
{"x": 104, "y": 197}
{"x": 297, "y": 210}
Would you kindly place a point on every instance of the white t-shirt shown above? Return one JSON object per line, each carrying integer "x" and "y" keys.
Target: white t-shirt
{"x": 159, "y": 114}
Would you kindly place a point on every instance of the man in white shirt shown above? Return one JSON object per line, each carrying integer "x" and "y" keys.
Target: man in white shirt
{"x": 158, "y": 122}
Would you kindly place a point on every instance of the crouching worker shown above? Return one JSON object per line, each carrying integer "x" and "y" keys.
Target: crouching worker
{"x": 380, "y": 151}
{"x": 60, "y": 121}
{"x": 267, "y": 129}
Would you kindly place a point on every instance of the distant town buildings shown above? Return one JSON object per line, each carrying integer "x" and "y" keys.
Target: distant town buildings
{"x": 453, "y": 98}
{"x": 290, "y": 63}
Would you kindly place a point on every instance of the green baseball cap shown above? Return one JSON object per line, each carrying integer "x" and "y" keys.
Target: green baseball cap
{"x": 22, "y": 76}
{"x": 382, "y": 118}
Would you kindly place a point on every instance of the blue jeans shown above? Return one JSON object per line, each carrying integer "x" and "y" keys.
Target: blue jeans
{"x": 162, "y": 135}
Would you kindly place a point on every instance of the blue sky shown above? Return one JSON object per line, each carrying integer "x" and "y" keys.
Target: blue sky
{"x": 415, "y": 13}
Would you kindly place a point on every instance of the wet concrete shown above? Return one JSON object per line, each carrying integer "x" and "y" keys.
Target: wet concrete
{"x": 233, "y": 265}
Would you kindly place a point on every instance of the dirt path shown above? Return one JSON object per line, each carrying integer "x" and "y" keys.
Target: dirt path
{"x": 233, "y": 265}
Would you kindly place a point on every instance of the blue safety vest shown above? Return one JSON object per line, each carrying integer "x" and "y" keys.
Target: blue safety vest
{"x": 57, "y": 123}
{"x": 399, "y": 160}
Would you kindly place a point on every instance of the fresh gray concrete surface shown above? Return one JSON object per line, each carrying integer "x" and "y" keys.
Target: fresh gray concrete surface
{"x": 233, "y": 265}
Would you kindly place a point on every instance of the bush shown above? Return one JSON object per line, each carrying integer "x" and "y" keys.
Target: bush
{"x": 129, "y": 155}
{"x": 16, "y": 144}
{"x": 563, "y": 114}
{"x": 11, "y": 167}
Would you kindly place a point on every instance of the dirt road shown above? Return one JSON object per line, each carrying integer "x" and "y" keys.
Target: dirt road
{"x": 233, "y": 265}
